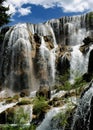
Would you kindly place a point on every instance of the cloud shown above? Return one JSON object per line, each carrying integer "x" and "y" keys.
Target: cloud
{"x": 75, "y": 5}
{"x": 24, "y": 11}
{"x": 12, "y": 9}
{"x": 66, "y": 5}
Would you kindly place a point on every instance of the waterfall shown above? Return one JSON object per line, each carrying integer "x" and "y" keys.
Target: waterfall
{"x": 17, "y": 62}
{"x": 78, "y": 63}
{"x": 52, "y": 62}
{"x": 31, "y": 50}
{"x": 82, "y": 115}
{"x": 49, "y": 58}
{"x": 46, "y": 124}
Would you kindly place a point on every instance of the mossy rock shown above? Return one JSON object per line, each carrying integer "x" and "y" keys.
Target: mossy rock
{"x": 24, "y": 101}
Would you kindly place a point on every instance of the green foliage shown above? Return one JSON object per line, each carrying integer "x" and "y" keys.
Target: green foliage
{"x": 61, "y": 79}
{"x": 63, "y": 82}
{"x": 21, "y": 117}
{"x": 79, "y": 82}
{"x": 40, "y": 105}
{"x": 66, "y": 85}
{"x": 18, "y": 127}
{"x": 4, "y": 17}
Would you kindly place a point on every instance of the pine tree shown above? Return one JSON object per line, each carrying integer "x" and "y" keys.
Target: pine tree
{"x": 4, "y": 17}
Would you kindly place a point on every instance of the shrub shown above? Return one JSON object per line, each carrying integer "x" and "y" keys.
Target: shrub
{"x": 40, "y": 105}
{"x": 79, "y": 82}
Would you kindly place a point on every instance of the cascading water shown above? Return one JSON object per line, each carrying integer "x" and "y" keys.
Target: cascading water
{"x": 30, "y": 55}
{"x": 81, "y": 120}
{"x": 45, "y": 125}
{"x": 5, "y": 107}
{"x": 49, "y": 57}
{"x": 23, "y": 43}
{"x": 78, "y": 63}
{"x": 18, "y": 52}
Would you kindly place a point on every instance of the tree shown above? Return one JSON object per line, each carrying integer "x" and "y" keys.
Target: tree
{"x": 4, "y": 17}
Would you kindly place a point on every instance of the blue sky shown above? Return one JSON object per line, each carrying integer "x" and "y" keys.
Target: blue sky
{"x": 36, "y": 11}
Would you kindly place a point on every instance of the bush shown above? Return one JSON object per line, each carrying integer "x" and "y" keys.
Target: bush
{"x": 40, "y": 105}
{"x": 79, "y": 82}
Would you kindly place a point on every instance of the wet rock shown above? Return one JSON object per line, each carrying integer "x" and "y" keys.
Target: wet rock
{"x": 90, "y": 64}
{"x": 84, "y": 49}
{"x": 88, "y": 40}
{"x": 44, "y": 92}
{"x": 24, "y": 93}
{"x": 87, "y": 77}
{"x": 37, "y": 38}
{"x": 64, "y": 63}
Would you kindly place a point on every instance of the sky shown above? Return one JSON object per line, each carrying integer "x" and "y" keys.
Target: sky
{"x": 38, "y": 11}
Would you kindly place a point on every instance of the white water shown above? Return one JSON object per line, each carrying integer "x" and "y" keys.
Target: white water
{"x": 83, "y": 108}
{"x": 45, "y": 125}
{"x": 21, "y": 59}
{"x": 4, "y": 107}
{"x": 21, "y": 36}
{"x": 78, "y": 63}
{"x": 49, "y": 58}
